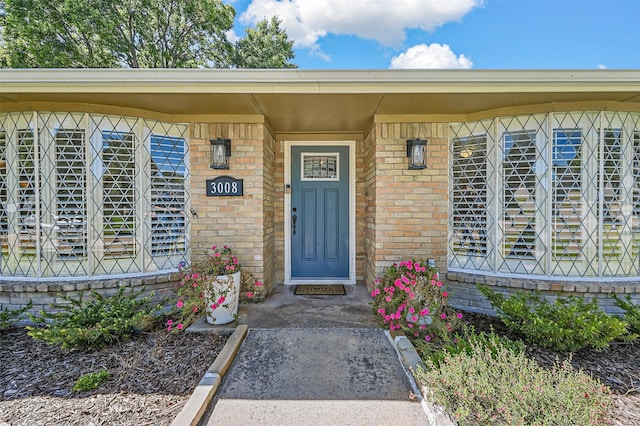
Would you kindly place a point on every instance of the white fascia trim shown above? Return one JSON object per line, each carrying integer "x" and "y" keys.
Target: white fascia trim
{"x": 305, "y": 81}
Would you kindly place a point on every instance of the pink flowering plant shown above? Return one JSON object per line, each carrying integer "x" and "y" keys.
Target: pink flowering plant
{"x": 411, "y": 298}
{"x": 251, "y": 290}
{"x": 197, "y": 285}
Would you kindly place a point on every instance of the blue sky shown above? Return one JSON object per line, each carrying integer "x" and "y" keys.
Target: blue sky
{"x": 477, "y": 34}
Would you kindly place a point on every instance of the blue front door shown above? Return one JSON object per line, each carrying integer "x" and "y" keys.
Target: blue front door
{"x": 319, "y": 212}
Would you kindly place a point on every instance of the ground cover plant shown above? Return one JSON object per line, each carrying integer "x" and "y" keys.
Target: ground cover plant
{"x": 489, "y": 380}
{"x": 568, "y": 324}
{"x": 491, "y": 377}
{"x": 463, "y": 344}
{"x": 94, "y": 322}
{"x": 90, "y": 381}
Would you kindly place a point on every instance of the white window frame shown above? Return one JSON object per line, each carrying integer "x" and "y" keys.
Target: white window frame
{"x": 505, "y": 263}
{"x": 45, "y": 261}
{"x": 592, "y": 127}
{"x": 320, "y": 154}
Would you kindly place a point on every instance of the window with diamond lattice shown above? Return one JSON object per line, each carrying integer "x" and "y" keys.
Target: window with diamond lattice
{"x": 3, "y": 194}
{"x": 167, "y": 195}
{"x": 470, "y": 196}
{"x": 119, "y": 195}
{"x": 28, "y": 208}
{"x": 521, "y": 169}
{"x": 611, "y": 196}
{"x": 70, "y": 218}
{"x": 568, "y": 194}
{"x": 519, "y": 184}
{"x": 635, "y": 197}
{"x": 81, "y": 195}
{"x": 636, "y": 178}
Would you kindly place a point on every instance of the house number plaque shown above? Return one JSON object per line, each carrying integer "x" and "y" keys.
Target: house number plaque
{"x": 224, "y": 186}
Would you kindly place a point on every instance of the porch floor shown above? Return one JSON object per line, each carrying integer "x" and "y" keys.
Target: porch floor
{"x": 283, "y": 309}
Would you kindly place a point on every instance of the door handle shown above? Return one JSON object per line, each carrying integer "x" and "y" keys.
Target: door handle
{"x": 294, "y": 219}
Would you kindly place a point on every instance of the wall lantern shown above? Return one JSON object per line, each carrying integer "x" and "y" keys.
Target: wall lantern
{"x": 466, "y": 152}
{"x": 417, "y": 153}
{"x": 220, "y": 153}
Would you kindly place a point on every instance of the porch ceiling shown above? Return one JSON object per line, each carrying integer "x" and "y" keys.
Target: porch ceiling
{"x": 314, "y": 101}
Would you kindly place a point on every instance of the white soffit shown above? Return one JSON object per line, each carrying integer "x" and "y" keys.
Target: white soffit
{"x": 311, "y": 101}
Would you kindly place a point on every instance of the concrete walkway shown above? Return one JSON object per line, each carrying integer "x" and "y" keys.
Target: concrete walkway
{"x": 310, "y": 360}
{"x": 316, "y": 376}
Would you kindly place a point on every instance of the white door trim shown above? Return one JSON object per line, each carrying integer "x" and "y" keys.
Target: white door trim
{"x": 352, "y": 211}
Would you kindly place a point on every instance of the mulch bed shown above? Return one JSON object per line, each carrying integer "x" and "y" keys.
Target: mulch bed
{"x": 152, "y": 377}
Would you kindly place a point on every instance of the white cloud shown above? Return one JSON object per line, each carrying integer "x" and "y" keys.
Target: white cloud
{"x": 306, "y": 21}
{"x": 602, "y": 67}
{"x": 429, "y": 57}
{"x": 232, "y": 36}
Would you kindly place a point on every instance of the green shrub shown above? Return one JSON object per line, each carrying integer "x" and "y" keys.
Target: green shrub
{"x": 568, "y": 324}
{"x": 9, "y": 317}
{"x": 495, "y": 384}
{"x": 631, "y": 312}
{"x": 93, "y": 323}
{"x": 91, "y": 381}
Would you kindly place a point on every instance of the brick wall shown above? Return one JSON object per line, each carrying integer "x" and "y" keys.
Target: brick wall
{"x": 42, "y": 294}
{"x": 244, "y": 223}
{"x": 361, "y": 210}
{"x": 410, "y": 207}
{"x": 369, "y": 183}
{"x": 269, "y": 231}
{"x": 465, "y": 294}
{"x": 279, "y": 211}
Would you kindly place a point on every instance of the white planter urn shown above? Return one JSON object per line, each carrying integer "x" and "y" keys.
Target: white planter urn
{"x": 222, "y": 305}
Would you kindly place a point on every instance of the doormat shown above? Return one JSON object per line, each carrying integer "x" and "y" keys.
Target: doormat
{"x": 320, "y": 290}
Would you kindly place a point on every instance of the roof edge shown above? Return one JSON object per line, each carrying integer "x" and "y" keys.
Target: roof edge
{"x": 310, "y": 81}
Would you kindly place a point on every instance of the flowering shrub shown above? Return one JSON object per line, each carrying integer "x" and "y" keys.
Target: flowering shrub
{"x": 250, "y": 288}
{"x": 197, "y": 285}
{"x": 410, "y": 297}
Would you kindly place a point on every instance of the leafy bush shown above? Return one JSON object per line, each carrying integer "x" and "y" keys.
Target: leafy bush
{"x": 410, "y": 297}
{"x": 569, "y": 324}
{"x": 91, "y": 381}
{"x": 93, "y": 323}
{"x": 9, "y": 317}
{"x": 494, "y": 383}
{"x": 631, "y": 312}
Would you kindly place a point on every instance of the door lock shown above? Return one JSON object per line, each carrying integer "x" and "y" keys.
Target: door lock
{"x": 294, "y": 219}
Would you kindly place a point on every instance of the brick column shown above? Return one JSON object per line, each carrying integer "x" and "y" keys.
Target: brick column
{"x": 244, "y": 223}
{"x": 407, "y": 209}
